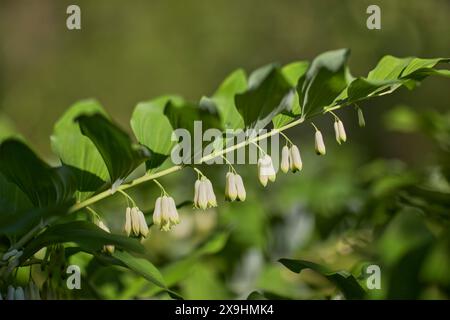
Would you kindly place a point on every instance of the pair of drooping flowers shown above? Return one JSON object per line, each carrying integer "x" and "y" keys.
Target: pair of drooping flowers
{"x": 339, "y": 131}
{"x": 204, "y": 196}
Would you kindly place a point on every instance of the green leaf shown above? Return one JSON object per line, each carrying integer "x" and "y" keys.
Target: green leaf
{"x": 179, "y": 270}
{"x": 292, "y": 72}
{"x": 152, "y": 129}
{"x": 269, "y": 93}
{"x": 390, "y": 74}
{"x": 12, "y": 199}
{"x": 141, "y": 266}
{"x": 78, "y": 152}
{"x": 343, "y": 280}
{"x": 235, "y": 83}
{"x": 42, "y": 184}
{"x": 184, "y": 114}
{"x": 418, "y": 68}
{"x": 325, "y": 79}
{"x": 86, "y": 234}
{"x": 120, "y": 155}
{"x": 17, "y": 223}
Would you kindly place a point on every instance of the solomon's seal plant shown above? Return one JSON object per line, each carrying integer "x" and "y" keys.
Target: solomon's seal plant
{"x": 46, "y": 211}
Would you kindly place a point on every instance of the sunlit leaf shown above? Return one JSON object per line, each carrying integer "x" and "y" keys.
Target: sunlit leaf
{"x": 77, "y": 152}
{"x": 120, "y": 155}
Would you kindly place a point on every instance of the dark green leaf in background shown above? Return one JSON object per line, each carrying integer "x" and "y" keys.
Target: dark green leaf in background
{"x": 293, "y": 73}
{"x": 86, "y": 234}
{"x": 269, "y": 94}
{"x": 42, "y": 184}
{"x": 77, "y": 151}
{"x": 324, "y": 81}
{"x": 120, "y": 155}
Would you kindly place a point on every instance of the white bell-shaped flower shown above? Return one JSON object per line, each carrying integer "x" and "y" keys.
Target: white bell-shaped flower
{"x": 319, "y": 144}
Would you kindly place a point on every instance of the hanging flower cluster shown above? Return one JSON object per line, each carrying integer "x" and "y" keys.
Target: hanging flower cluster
{"x": 234, "y": 187}
{"x": 339, "y": 130}
{"x": 204, "y": 196}
{"x": 290, "y": 159}
{"x": 266, "y": 171}
{"x": 135, "y": 223}
{"x": 165, "y": 214}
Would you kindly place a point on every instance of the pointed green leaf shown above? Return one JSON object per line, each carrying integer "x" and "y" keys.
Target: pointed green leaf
{"x": 42, "y": 184}
{"x": 292, "y": 72}
{"x": 142, "y": 267}
{"x": 269, "y": 94}
{"x": 390, "y": 74}
{"x": 77, "y": 151}
{"x": 120, "y": 155}
{"x": 325, "y": 79}
{"x": 12, "y": 199}
{"x": 86, "y": 234}
{"x": 152, "y": 129}
{"x": 234, "y": 84}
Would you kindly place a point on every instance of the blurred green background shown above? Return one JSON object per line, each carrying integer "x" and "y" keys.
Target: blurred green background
{"x": 360, "y": 204}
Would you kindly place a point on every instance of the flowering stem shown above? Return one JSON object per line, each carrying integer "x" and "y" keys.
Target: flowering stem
{"x": 199, "y": 173}
{"x": 160, "y": 186}
{"x": 127, "y": 197}
{"x": 94, "y": 213}
{"x": 314, "y": 126}
{"x": 286, "y": 138}
{"x": 260, "y": 149}
{"x": 148, "y": 177}
{"x": 229, "y": 163}
{"x": 334, "y": 114}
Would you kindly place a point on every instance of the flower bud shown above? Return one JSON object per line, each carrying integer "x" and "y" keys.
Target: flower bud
{"x": 107, "y": 248}
{"x": 173, "y": 213}
{"x": 231, "y": 192}
{"x": 165, "y": 213}
{"x": 157, "y": 212}
{"x": 361, "y": 121}
{"x": 196, "y": 192}
{"x": 127, "y": 227}
{"x": 341, "y": 129}
{"x": 263, "y": 179}
{"x": 320, "y": 145}
{"x": 203, "y": 195}
{"x": 135, "y": 221}
{"x": 19, "y": 294}
{"x": 284, "y": 165}
{"x": 296, "y": 160}
{"x": 336, "y": 131}
{"x": 143, "y": 228}
{"x": 241, "y": 193}
{"x": 212, "y": 201}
